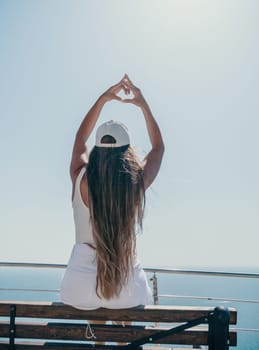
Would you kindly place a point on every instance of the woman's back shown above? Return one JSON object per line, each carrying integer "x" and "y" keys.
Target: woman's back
{"x": 79, "y": 283}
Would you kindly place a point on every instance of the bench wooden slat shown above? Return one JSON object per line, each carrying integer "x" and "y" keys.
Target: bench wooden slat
{"x": 55, "y": 346}
{"x": 186, "y": 338}
{"x": 110, "y": 333}
{"x": 150, "y": 313}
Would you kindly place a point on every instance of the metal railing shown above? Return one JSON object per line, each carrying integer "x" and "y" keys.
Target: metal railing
{"x": 147, "y": 269}
{"x": 154, "y": 272}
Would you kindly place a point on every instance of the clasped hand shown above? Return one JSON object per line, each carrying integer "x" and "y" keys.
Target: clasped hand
{"x": 128, "y": 87}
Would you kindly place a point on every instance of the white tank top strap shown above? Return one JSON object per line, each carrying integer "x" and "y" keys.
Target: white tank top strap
{"x": 77, "y": 192}
{"x": 83, "y": 227}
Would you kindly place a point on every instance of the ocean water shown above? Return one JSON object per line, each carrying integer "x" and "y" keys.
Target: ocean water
{"x": 205, "y": 291}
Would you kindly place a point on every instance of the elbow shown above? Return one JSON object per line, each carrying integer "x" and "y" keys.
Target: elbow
{"x": 163, "y": 147}
{"x": 160, "y": 148}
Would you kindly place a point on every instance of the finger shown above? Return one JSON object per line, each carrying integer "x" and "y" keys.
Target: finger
{"x": 124, "y": 87}
{"x": 118, "y": 98}
{"x": 128, "y": 79}
{"x": 123, "y": 80}
{"x": 126, "y": 82}
{"x": 119, "y": 84}
{"x": 116, "y": 85}
{"x": 129, "y": 100}
{"x": 124, "y": 77}
{"x": 128, "y": 86}
{"x": 131, "y": 86}
{"x": 120, "y": 87}
{"x": 116, "y": 88}
{"x": 127, "y": 89}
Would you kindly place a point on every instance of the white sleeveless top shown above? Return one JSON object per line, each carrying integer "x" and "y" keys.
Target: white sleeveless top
{"x": 83, "y": 227}
{"x": 78, "y": 287}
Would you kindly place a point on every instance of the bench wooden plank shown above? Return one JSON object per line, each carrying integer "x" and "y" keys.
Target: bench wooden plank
{"x": 56, "y": 346}
{"x": 110, "y": 333}
{"x": 149, "y": 313}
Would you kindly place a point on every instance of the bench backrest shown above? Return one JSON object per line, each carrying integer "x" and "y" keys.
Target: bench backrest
{"x": 31, "y": 325}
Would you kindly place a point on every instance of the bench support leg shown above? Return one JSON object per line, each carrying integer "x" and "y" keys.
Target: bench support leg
{"x": 12, "y": 327}
{"x": 219, "y": 329}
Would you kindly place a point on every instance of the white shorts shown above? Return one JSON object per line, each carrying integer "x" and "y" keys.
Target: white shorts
{"x": 79, "y": 282}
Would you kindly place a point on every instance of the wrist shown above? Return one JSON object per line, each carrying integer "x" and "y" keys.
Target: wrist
{"x": 102, "y": 99}
{"x": 144, "y": 106}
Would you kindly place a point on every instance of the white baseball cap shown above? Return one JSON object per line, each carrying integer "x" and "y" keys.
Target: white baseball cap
{"x": 115, "y": 129}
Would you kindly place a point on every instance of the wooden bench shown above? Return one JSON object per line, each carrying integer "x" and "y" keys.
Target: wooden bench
{"x": 55, "y": 326}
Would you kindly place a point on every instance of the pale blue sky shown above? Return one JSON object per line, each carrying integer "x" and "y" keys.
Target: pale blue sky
{"x": 197, "y": 64}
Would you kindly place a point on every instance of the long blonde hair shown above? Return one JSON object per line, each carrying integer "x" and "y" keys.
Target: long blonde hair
{"x": 116, "y": 204}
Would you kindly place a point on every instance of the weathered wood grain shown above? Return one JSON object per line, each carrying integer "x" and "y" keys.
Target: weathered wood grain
{"x": 68, "y": 325}
{"x": 152, "y": 313}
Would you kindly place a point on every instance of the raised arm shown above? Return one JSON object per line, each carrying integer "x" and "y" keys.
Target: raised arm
{"x": 80, "y": 152}
{"x": 153, "y": 159}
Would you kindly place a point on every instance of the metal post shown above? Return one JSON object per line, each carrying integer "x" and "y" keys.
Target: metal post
{"x": 155, "y": 288}
{"x": 219, "y": 329}
{"x": 12, "y": 327}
